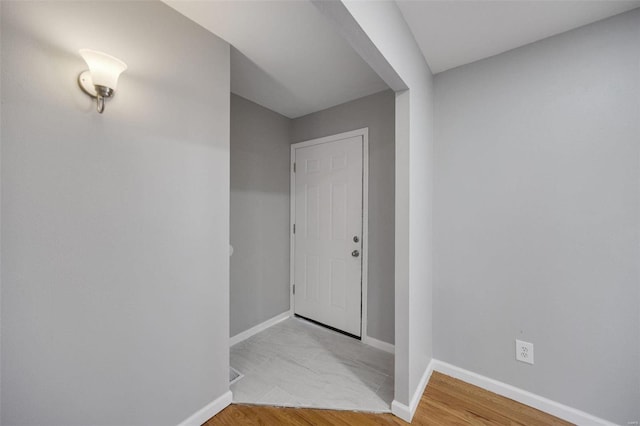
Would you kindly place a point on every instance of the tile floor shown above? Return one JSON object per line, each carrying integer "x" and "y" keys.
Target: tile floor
{"x": 296, "y": 363}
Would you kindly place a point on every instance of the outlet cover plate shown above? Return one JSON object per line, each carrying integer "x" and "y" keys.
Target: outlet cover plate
{"x": 524, "y": 351}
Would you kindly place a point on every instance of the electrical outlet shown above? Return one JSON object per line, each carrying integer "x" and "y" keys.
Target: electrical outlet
{"x": 524, "y": 351}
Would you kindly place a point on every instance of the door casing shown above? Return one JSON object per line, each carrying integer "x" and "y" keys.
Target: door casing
{"x": 364, "y": 132}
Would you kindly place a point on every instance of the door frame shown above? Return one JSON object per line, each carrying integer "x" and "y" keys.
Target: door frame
{"x": 364, "y": 132}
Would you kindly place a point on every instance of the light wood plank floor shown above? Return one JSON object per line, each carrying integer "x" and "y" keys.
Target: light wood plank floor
{"x": 446, "y": 401}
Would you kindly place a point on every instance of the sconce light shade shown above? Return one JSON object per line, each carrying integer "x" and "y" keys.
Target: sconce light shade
{"x": 102, "y": 78}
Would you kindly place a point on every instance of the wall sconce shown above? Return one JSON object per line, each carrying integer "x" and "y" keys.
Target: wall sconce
{"x": 101, "y": 79}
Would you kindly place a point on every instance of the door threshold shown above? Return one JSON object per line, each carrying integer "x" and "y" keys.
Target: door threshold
{"x": 329, "y": 327}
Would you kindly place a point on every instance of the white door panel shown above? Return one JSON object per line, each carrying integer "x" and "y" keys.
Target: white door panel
{"x": 328, "y": 215}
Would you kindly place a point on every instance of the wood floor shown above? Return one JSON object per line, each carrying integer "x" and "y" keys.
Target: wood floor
{"x": 446, "y": 401}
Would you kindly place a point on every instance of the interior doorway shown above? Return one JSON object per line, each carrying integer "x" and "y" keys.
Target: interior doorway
{"x": 289, "y": 361}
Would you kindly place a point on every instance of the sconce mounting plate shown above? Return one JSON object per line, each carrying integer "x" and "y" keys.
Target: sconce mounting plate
{"x": 86, "y": 84}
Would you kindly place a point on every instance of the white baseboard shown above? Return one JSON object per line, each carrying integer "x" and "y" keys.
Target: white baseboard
{"x": 208, "y": 411}
{"x": 258, "y": 328}
{"x": 398, "y": 409}
{"x": 406, "y": 412}
{"x": 379, "y": 344}
{"x": 543, "y": 404}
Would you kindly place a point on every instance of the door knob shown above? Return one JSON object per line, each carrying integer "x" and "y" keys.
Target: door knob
{"x": 355, "y": 253}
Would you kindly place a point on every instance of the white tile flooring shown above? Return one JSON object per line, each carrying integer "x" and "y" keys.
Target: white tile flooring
{"x": 299, "y": 364}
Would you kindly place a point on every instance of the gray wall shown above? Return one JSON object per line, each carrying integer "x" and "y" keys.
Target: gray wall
{"x": 537, "y": 217}
{"x": 115, "y": 226}
{"x": 260, "y": 152}
{"x": 377, "y": 112}
{"x": 378, "y": 32}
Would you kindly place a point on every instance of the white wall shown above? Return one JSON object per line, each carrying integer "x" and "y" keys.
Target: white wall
{"x": 377, "y": 113}
{"x": 537, "y": 217}
{"x": 115, "y": 226}
{"x": 380, "y": 35}
{"x": 259, "y": 274}
{"x": 385, "y": 26}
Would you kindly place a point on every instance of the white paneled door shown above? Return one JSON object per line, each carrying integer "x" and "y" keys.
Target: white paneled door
{"x": 327, "y": 242}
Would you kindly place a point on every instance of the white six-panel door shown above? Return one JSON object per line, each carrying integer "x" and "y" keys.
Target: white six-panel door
{"x": 328, "y": 218}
